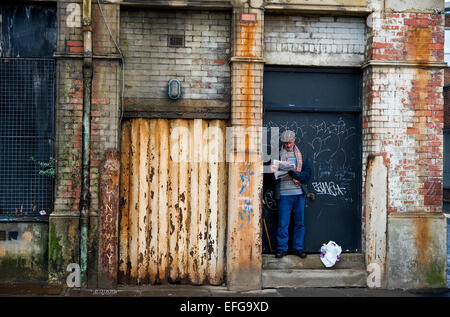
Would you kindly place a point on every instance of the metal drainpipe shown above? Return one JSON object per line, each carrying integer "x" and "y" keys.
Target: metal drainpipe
{"x": 85, "y": 182}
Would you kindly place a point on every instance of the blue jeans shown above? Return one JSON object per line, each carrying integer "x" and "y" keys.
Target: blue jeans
{"x": 286, "y": 205}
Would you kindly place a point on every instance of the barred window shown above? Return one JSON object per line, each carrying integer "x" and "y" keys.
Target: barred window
{"x": 27, "y": 109}
{"x": 26, "y": 135}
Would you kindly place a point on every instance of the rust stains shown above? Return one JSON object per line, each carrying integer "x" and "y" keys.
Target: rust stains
{"x": 247, "y": 40}
{"x": 417, "y": 47}
{"x": 422, "y": 239}
{"x": 424, "y": 99}
{"x": 109, "y": 210}
{"x": 174, "y": 221}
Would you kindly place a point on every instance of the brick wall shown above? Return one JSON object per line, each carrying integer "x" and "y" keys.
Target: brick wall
{"x": 403, "y": 108}
{"x": 104, "y": 119}
{"x": 69, "y": 110}
{"x": 201, "y": 65}
{"x": 324, "y": 41}
{"x": 406, "y": 129}
{"x": 407, "y": 37}
{"x": 69, "y": 113}
{"x": 105, "y": 101}
{"x": 244, "y": 236}
{"x": 103, "y": 44}
{"x": 105, "y": 104}
{"x": 70, "y": 35}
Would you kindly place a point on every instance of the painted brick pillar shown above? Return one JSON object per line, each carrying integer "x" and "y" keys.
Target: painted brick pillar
{"x": 245, "y": 159}
{"x": 105, "y": 129}
{"x": 402, "y": 122}
{"x": 64, "y": 246}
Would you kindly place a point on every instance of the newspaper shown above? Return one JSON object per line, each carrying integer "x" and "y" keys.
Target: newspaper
{"x": 281, "y": 168}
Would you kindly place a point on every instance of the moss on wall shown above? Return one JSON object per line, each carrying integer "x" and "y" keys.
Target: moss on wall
{"x": 63, "y": 247}
{"x": 55, "y": 248}
{"x": 24, "y": 258}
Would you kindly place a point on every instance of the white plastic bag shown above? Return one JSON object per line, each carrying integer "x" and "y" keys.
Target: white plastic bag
{"x": 330, "y": 254}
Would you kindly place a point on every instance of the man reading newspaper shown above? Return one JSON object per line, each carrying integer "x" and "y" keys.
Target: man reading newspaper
{"x": 290, "y": 173}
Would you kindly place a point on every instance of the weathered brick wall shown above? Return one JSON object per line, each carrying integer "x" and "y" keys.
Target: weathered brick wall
{"x": 105, "y": 117}
{"x": 314, "y": 40}
{"x": 403, "y": 108}
{"x": 105, "y": 102}
{"x": 402, "y": 125}
{"x": 63, "y": 224}
{"x": 70, "y": 35}
{"x": 244, "y": 236}
{"x": 69, "y": 111}
{"x": 407, "y": 37}
{"x": 201, "y": 65}
{"x": 103, "y": 44}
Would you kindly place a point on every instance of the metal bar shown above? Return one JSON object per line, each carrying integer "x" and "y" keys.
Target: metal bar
{"x": 7, "y": 59}
{"x": 153, "y": 168}
{"x": 213, "y": 174}
{"x": 203, "y": 205}
{"x": 222, "y": 204}
{"x": 7, "y": 218}
{"x": 134, "y": 200}
{"x": 174, "y": 225}
{"x": 163, "y": 217}
{"x": 267, "y": 234}
{"x": 195, "y": 131}
{"x": 272, "y": 108}
{"x": 183, "y": 206}
{"x": 143, "y": 221}
{"x": 300, "y": 69}
{"x": 125, "y": 199}
{"x": 27, "y": 137}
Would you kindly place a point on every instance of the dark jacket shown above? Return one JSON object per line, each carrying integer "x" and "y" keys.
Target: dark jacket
{"x": 303, "y": 177}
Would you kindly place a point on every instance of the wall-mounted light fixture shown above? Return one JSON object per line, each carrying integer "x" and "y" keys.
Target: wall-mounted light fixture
{"x": 174, "y": 89}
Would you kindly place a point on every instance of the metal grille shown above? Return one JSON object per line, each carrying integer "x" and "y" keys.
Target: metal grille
{"x": 27, "y": 130}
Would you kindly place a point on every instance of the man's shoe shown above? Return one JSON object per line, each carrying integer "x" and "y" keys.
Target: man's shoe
{"x": 280, "y": 254}
{"x": 300, "y": 253}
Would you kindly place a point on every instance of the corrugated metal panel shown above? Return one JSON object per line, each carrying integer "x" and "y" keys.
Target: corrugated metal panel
{"x": 173, "y": 201}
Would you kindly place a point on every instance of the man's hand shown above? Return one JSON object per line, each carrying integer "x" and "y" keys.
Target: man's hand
{"x": 291, "y": 174}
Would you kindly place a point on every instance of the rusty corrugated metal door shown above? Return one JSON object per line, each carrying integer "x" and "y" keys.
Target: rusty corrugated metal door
{"x": 173, "y": 201}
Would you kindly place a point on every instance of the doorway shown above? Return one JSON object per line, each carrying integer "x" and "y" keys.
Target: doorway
{"x": 323, "y": 107}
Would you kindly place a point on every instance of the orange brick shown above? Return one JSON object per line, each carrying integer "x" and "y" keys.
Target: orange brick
{"x": 412, "y": 131}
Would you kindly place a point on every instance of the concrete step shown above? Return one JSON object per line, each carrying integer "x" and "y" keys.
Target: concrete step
{"x": 278, "y": 278}
{"x": 312, "y": 261}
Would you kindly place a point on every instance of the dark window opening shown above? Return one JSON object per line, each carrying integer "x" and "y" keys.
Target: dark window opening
{"x": 27, "y": 108}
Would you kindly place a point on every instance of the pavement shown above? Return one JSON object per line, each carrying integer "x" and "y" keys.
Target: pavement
{"x": 218, "y": 300}
{"x": 172, "y": 300}
{"x": 171, "y": 290}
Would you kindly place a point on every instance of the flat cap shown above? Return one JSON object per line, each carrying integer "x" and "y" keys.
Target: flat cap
{"x": 287, "y": 135}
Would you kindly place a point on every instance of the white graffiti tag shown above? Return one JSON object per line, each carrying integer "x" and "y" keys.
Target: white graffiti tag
{"x": 328, "y": 188}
